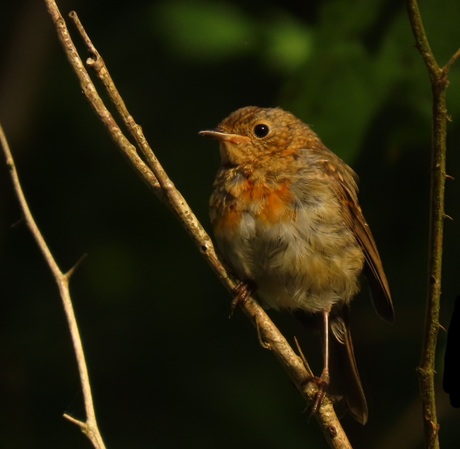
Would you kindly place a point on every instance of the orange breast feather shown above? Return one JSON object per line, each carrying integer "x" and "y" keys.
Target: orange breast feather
{"x": 265, "y": 202}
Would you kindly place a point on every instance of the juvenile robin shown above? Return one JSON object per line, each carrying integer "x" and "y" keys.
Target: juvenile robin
{"x": 287, "y": 222}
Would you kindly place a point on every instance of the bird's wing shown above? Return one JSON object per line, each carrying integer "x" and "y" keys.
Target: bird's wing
{"x": 373, "y": 270}
{"x": 346, "y": 189}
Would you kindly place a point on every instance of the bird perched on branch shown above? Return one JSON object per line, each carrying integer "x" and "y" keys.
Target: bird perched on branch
{"x": 287, "y": 223}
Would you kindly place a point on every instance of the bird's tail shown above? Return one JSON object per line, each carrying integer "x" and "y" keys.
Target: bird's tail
{"x": 345, "y": 379}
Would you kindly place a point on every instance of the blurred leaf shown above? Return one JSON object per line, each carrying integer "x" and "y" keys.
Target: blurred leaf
{"x": 203, "y": 30}
{"x": 289, "y": 43}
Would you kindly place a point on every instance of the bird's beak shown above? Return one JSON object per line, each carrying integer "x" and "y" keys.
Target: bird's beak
{"x": 235, "y": 139}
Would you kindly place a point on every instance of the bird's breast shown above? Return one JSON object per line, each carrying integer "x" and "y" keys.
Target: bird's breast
{"x": 292, "y": 242}
{"x": 267, "y": 202}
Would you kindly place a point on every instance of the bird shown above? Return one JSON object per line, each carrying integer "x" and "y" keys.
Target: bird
{"x": 288, "y": 225}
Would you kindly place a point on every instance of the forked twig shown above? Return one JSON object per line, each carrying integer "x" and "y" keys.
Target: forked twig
{"x": 89, "y": 426}
{"x": 439, "y": 84}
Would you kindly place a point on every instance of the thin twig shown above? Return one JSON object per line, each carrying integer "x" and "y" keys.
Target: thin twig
{"x": 439, "y": 83}
{"x": 451, "y": 61}
{"x": 90, "y": 92}
{"x": 157, "y": 179}
{"x": 167, "y": 193}
{"x": 89, "y": 427}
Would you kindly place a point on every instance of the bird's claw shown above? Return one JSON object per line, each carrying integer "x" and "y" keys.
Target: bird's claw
{"x": 322, "y": 384}
{"x": 241, "y": 294}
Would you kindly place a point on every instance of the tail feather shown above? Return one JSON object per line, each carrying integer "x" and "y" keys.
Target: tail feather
{"x": 345, "y": 383}
{"x": 344, "y": 369}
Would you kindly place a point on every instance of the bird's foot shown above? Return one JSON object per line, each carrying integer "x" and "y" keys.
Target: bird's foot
{"x": 322, "y": 384}
{"x": 241, "y": 294}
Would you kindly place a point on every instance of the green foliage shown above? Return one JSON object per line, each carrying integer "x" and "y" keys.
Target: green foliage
{"x": 208, "y": 31}
{"x": 214, "y": 31}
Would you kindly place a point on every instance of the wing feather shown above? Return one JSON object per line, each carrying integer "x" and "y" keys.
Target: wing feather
{"x": 346, "y": 189}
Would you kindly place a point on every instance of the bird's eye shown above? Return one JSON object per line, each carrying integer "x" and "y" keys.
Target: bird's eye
{"x": 261, "y": 130}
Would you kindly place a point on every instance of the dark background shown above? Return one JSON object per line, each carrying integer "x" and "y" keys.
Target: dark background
{"x": 168, "y": 368}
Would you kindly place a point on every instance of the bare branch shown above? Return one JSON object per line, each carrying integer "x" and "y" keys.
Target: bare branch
{"x": 421, "y": 39}
{"x": 89, "y": 427}
{"x": 439, "y": 83}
